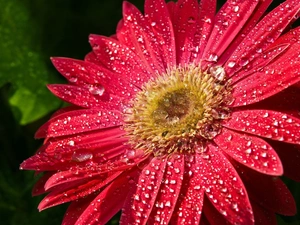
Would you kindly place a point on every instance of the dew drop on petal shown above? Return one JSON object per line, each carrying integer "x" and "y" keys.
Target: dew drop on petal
{"x": 81, "y": 156}
{"x": 97, "y": 90}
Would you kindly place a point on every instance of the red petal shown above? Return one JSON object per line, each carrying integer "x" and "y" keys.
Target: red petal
{"x": 251, "y": 151}
{"x": 286, "y": 101}
{"x": 79, "y": 121}
{"x": 120, "y": 59}
{"x": 223, "y": 187}
{"x": 87, "y": 74}
{"x": 270, "y": 192}
{"x": 213, "y": 215}
{"x": 100, "y": 154}
{"x": 290, "y": 158}
{"x": 78, "y": 141}
{"x": 260, "y": 62}
{"x": 276, "y": 49}
{"x": 169, "y": 191}
{"x": 274, "y": 78}
{"x": 263, "y": 216}
{"x": 76, "y": 208}
{"x": 190, "y": 201}
{"x": 185, "y": 18}
{"x": 74, "y": 190}
{"x": 260, "y": 9}
{"x": 86, "y": 98}
{"x": 265, "y": 123}
{"x": 140, "y": 200}
{"x": 228, "y": 22}
{"x": 92, "y": 57}
{"x": 69, "y": 176}
{"x": 159, "y": 19}
{"x": 263, "y": 35}
{"x": 108, "y": 202}
{"x": 207, "y": 10}
{"x": 39, "y": 188}
{"x": 134, "y": 32}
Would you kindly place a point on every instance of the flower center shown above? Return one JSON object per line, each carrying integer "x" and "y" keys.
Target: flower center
{"x": 179, "y": 111}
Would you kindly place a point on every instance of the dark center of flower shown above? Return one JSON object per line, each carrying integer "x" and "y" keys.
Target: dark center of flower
{"x": 172, "y": 107}
{"x": 178, "y": 111}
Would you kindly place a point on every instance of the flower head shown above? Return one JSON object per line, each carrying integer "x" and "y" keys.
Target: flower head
{"x": 183, "y": 117}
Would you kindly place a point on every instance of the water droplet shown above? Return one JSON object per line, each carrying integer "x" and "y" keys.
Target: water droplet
{"x": 191, "y": 20}
{"x": 97, "y": 90}
{"x": 236, "y": 8}
{"x": 218, "y": 72}
{"x": 248, "y": 151}
{"x": 197, "y": 187}
{"x": 244, "y": 62}
{"x": 266, "y": 115}
{"x": 168, "y": 204}
{"x": 231, "y": 64}
{"x": 71, "y": 143}
{"x": 81, "y": 156}
{"x": 73, "y": 79}
{"x": 263, "y": 154}
{"x": 177, "y": 170}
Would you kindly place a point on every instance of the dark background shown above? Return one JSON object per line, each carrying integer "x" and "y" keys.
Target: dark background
{"x": 30, "y": 32}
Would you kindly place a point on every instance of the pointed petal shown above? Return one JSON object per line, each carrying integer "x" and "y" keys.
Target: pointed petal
{"x": 224, "y": 188}
{"x": 159, "y": 19}
{"x": 263, "y": 35}
{"x": 273, "y": 52}
{"x": 39, "y": 188}
{"x": 271, "y": 80}
{"x": 169, "y": 191}
{"x": 186, "y": 15}
{"x": 79, "y": 121}
{"x": 75, "y": 190}
{"x": 92, "y": 57}
{"x": 251, "y": 151}
{"x": 212, "y": 215}
{"x": 290, "y": 157}
{"x": 135, "y": 33}
{"x": 286, "y": 101}
{"x": 108, "y": 202}
{"x": 261, "y": 61}
{"x": 120, "y": 59}
{"x": 205, "y": 22}
{"x": 99, "y": 154}
{"x": 69, "y": 176}
{"x": 76, "y": 208}
{"x": 86, "y": 98}
{"x": 228, "y": 22}
{"x": 141, "y": 200}
{"x": 190, "y": 201}
{"x": 263, "y": 216}
{"x": 277, "y": 198}
{"x": 259, "y": 11}
{"x": 265, "y": 123}
{"x": 81, "y": 141}
{"x": 88, "y": 75}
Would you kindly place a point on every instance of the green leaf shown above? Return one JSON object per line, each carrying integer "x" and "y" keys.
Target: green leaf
{"x": 22, "y": 63}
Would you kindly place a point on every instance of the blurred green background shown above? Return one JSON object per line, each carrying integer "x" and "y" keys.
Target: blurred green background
{"x": 31, "y": 31}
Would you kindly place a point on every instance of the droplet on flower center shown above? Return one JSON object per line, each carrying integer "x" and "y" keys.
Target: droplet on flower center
{"x": 179, "y": 111}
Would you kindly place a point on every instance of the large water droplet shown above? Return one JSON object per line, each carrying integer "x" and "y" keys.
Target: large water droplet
{"x": 97, "y": 90}
{"x": 81, "y": 156}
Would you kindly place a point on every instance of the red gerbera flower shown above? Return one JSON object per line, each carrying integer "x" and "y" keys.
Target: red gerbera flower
{"x": 182, "y": 117}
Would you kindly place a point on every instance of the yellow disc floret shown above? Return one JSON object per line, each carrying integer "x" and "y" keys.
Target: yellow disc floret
{"x": 178, "y": 110}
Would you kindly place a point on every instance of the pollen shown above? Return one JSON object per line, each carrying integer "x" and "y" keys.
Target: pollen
{"x": 179, "y": 110}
